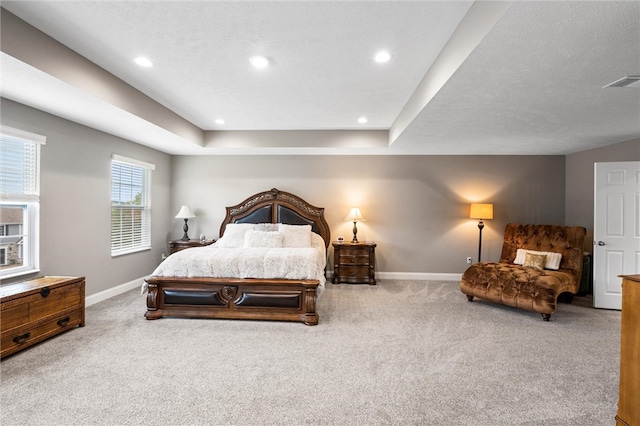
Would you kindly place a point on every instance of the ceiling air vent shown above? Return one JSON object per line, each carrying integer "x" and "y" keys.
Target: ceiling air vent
{"x": 628, "y": 81}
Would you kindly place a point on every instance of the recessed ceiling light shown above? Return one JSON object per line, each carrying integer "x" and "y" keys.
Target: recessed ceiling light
{"x": 143, "y": 62}
{"x": 220, "y": 121}
{"x": 259, "y": 61}
{"x": 362, "y": 120}
{"x": 382, "y": 57}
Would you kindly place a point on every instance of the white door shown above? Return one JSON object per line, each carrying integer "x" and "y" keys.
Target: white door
{"x": 616, "y": 230}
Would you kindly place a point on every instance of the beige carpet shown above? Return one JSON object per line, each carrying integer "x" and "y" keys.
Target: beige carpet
{"x": 401, "y": 352}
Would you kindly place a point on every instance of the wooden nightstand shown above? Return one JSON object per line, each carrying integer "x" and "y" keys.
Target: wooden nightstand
{"x": 354, "y": 262}
{"x": 178, "y": 245}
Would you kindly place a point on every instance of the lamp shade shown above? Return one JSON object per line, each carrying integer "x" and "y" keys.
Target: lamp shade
{"x": 355, "y": 215}
{"x": 185, "y": 213}
{"x": 481, "y": 211}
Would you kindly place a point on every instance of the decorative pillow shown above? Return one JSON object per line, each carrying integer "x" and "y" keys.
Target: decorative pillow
{"x": 317, "y": 241}
{"x": 552, "y": 261}
{"x": 266, "y": 227}
{"x": 234, "y": 235}
{"x": 535, "y": 261}
{"x": 295, "y": 235}
{"x": 255, "y": 238}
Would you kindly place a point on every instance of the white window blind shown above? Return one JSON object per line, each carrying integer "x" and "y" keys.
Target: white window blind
{"x": 19, "y": 164}
{"x": 130, "y": 205}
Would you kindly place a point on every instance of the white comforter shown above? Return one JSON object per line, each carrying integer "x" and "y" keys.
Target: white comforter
{"x": 213, "y": 261}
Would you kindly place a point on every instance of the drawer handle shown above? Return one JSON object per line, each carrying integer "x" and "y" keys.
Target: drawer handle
{"x": 21, "y": 339}
{"x": 45, "y": 291}
{"x": 64, "y": 321}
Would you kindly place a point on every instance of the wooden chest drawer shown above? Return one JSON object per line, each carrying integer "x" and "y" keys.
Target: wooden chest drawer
{"x": 354, "y": 251}
{"x": 35, "y": 310}
{"x": 350, "y": 273}
{"x": 35, "y": 306}
{"x": 354, "y": 260}
{"x": 32, "y": 333}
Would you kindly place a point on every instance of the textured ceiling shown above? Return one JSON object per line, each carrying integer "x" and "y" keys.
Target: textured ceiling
{"x": 531, "y": 85}
{"x": 534, "y": 85}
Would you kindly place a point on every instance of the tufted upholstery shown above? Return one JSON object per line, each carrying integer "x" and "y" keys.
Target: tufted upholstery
{"x": 527, "y": 288}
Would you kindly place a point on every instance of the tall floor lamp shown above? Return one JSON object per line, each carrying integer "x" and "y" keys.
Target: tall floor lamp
{"x": 186, "y": 214}
{"x": 482, "y": 212}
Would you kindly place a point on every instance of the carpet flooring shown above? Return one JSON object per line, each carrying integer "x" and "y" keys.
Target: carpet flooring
{"x": 401, "y": 352}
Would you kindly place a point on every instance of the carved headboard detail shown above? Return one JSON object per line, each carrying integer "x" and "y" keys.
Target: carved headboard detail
{"x": 277, "y": 206}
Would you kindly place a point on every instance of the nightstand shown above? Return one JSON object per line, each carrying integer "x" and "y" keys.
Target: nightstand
{"x": 354, "y": 262}
{"x": 178, "y": 245}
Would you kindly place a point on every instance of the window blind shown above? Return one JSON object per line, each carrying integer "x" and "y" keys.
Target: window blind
{"x": 19, "y": 201}
{"x": 130, "y": 205}
{"x": 19, "y": 165}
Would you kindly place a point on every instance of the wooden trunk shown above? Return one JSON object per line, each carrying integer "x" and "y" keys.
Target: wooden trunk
{"x": 35, "y": 310}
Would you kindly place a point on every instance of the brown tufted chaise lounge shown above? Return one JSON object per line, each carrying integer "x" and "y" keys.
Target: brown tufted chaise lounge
{"x": 525, "y": 287}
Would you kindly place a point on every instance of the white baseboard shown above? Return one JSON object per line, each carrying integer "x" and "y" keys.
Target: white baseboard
{"x": 113, "y": 291}
{"x": 416, "y": 276}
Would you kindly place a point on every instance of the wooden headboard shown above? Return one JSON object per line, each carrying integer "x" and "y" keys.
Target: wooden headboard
{"x": 277, "y": 206}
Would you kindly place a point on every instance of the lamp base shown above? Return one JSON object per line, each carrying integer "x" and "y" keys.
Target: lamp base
{"x": 355, "y": 232}
{"x": 185, "y": 228}
{"x": 480, "y": 226}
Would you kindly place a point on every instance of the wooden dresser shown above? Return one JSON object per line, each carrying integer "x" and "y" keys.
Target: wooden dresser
{"x": 354, "y": 262}
{"x": 35, "y": 310}
{"x": 629, "y": 397}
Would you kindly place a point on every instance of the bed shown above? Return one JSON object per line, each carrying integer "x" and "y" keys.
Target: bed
{"x": 189, "y": 294}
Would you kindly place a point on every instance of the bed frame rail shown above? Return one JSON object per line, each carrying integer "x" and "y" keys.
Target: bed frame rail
{"x": 230, "y": 298}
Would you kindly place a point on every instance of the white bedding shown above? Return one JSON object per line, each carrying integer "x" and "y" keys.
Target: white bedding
{"x": 255, "y": 262}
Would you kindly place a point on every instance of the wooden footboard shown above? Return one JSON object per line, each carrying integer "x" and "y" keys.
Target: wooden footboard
{"x": 231, "y": 298}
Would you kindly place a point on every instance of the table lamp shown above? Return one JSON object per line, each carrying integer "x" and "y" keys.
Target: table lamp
{"x": 355, "y": 216}
{"x": 186, "y": 214}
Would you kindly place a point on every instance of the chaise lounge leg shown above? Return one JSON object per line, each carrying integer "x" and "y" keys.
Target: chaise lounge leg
{"x": 469, "y": 298}
{"x": 546, "y": 317}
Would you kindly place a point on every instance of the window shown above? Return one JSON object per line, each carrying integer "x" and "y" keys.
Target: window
{"x": 130, "y": 205}
{"x": 19, "y": 201}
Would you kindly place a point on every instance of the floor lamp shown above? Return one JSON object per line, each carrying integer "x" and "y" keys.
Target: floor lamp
{"x": 482, "y": 212}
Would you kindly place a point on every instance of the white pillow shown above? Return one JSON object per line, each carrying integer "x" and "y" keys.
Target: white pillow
{"x": 552, "y": 260}
{"x": 266, "y": 227}
{"x": 234, "y": 235}
{"x": 295, "y": 235}
{"x": 265, "y": 239}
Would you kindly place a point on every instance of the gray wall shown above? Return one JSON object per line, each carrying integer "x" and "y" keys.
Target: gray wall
{"x": 580, "y": 185}
{"x": 75, "y": 200}
{"x": 416, "y": 207}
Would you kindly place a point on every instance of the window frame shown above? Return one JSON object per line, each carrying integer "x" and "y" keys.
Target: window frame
{"x": 28, "y": 199}
{"x": 118, "y": 247}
